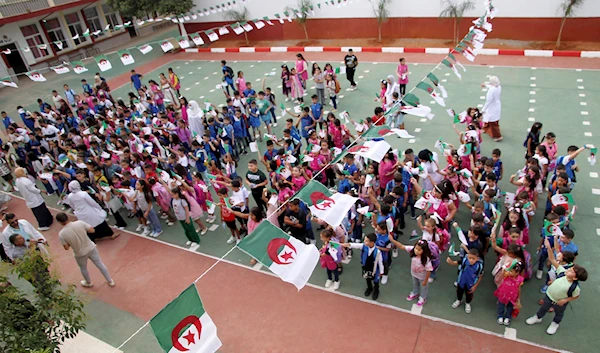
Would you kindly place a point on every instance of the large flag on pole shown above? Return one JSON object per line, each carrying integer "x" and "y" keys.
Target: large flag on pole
{"x": 325, "y": 205}
{"x": 287, "y": 257}
{"x": 184, "y": 326}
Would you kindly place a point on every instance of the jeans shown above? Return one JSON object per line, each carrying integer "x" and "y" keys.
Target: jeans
{"x": 542, "y": 259}
{"x": 321, "y": 95}
{"x": 333, "y": 101}
{"x": 463, "y": 290}
{"x": 333, "y": 273}
{"x": 154, "y": 221}
{"x": 411, "y": 203}
{"x": 95, "y": 257}
{"x": 559, "y": 311}
{"x": 418, "y": 288}
{"x": 504, "y": 310}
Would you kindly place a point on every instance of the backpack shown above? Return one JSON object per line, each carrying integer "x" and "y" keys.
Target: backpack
{"x": 229, "y": 71}
{"x": 337, "y": 87}
{"x": 528, "y": 270}
{"x": 435, "y": 254}
{"x": 572, "y": 287}
{"x": 444, "y": 237}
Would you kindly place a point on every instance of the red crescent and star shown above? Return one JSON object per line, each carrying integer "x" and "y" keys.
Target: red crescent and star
{"x": 273, "y": 251}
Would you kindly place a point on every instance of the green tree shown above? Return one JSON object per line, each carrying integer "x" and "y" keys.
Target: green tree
{"x": 302, "y": 13}
{"x": 455, "y": 9}
{"x": 43, "y": 321}
{"x": 566, "y": 9}
{"x": 140, "y": 8}
{"x": 381, "y": 12}
{"x": 239, "y": 16}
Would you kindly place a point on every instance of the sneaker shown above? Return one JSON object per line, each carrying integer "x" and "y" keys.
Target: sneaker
{"x": 231, "y": 240}
{"x": 245, "y": 152}
{"x": 164, "y": 216}
{"x": 111, "y": 283}
{"x": 375, "y": 294}
{"x": 210, "y": 219}
{"x": 544, "y": 289}
{"x": 395, "y": 253}
{"x": 411, "y": 297}
{"x": 86, "y": 284}
{"x": 139, "y": 227}
{"x": 328, "y": 283}
{"x": 430, "y": 280}
{"x": 414, "y": 236}
{"x": 43, "y": 229}
{"x": 312, "y": 241}
{"x": 552, "y": 328}
{"x": 468, "y": 308}
{"x": 413, "y": 217}
{"x": 384, "y": 279}
{"x": 455, "y": 284}
{"x": 368, "y": 292}
{"x": 188, "y": 243}
{"x": 500, "y": 321}
{"x": 539, "y": 274}
{"x": 156, "y": 234}
{"x": 456, "y": 304}
{"x": 170, "y": 223}
{"x": 506, "y": 321}
{"x": 121, "y": 228}
{"x": 336, "y": 285}
{"x": 237, "y": 241}
{"x": 287, "y": 99}
{"x": 421, "y": 302}
{"x": 333, "y": 110}
{"x": 204, "y": 231}
{"x": 193, "y": 244}
{"x": 533, "y": 320}
{"x": 146, "y": 231}
{"x": 274, "y": 124}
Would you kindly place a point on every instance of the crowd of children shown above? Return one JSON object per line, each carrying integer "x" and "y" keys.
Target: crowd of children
{"x": 176, "y": 162}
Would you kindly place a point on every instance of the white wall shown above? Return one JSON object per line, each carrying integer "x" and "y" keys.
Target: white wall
{"x": 401, "y": 8}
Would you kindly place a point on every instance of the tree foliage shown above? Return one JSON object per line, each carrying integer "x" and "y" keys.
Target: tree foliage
{"x": 567, "y": 9}
{"x": 141, "y": 8}
{"x": 41, "y": 324}
{"x": 301, "y": 12}
{"x": 381, "y": 12}
{"x": 455, "y": 9}
{"x": 239, "y": 16}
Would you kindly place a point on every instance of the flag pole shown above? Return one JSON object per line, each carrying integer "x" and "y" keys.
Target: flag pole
{"x": 131, "y": 337}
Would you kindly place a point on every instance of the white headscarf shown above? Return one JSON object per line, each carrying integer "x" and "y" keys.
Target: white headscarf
{"x": 494, "y": 81}
{"x": 74, "y": 186}
{"x": 194, "y": 109}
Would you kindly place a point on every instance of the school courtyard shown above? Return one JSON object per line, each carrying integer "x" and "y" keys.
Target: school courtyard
{"x": 256, "y": 312}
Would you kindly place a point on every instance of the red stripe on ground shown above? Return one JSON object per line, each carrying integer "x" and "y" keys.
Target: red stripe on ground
{"x": 262, "y": 49}
{"x": 371, "y": 50}
{"x": 575, "y": 54}
{"x": 332, "y": 48}
{"x": 204, "y": 50}
{"x": 295, "y": 48}
{"x": 232, "y": 50}
{"x": 414, "y": 50}
{"x": 510, "y": 52}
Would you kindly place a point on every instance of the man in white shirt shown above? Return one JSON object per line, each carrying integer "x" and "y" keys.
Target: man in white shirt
{"x": 33, "y": 199}
{"x": 23, "y": 228}
{"x": 74, "y": 235}
{"x": 49, "y": 131}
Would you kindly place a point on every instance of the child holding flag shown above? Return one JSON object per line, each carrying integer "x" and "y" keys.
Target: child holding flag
{"x": 330, "y": 257}
{"x": 372, "y": 263}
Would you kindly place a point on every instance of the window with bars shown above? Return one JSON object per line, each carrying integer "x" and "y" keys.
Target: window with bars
{"x": 111, "y": 16}
{"x": 75, "y": 27}
{"x": 56, "y": 33}
{"x": 33, "y": 37}
{"x": 93, "y": 20}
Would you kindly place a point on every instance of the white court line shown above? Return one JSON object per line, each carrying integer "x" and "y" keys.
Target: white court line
{"x": 585, "y": 122}
{"x": 597, "y": 210}
{"x": 418, "y": 129}
{"x": 587, "y": 134}
{"x": 593, "y": 175}
{"x": 416, "y": 310}
{"x": 213, "y": 227}
{"x": 583, "y": 103}
{"x": 532, "y": 101}
{"x": 596, "y": 191}
{"x": 350, "y": 296}
{"x": 510, "y": 333}
{"x": 531, "y": 119}
{"x": 411, "y": 141}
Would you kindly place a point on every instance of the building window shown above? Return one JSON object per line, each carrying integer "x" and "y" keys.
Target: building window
{"x": 75, "y": 27}
{"x": 93, "y": 20}
{"x": 34, "y": 38}
{"x": 55, "y": 33}
{"x": 111, "y": 16}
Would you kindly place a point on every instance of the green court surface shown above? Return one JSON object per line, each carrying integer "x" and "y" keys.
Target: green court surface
{"x": 563, "y": 100}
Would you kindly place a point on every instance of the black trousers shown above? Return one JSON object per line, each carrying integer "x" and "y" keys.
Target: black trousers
{"x": 402, "y": 89}
{"x": 257, "y": 196}
{"x": 350, "y": 75}
{"x": 371, "y": 285}
{"x": 463, "y": 290}
{"x": 42, "y": 215}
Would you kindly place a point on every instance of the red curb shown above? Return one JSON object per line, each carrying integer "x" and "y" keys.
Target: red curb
{"x": 370, "y": 50}
{"x": 576, "y": 54}
{"x": 203, "y": 50}
{"x": 262, "y": 50}
{"x": 301, "y": 49}
{"x": 414, "y": 50}
{"x": 332, "y": 49}
{"x": 511, "y": 52}
{"x": 232, "y": 50}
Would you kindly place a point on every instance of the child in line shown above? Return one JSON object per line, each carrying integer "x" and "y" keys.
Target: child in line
{"x": 509, "y": 292}
{"x": 228, "y": 217}
{"x": 372, "y": 263}
{"x": 181, "y": 209}
{"x": 420, "y": 269}
{"x": 330, "y": 257}
{"x": 469, "y": 277}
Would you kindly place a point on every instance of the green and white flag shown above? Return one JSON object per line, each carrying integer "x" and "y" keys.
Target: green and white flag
{"x": 103, "y": 63}
{"x": 126, "y": 57}
{"x": 450, "y": 65}
{"x": 166, "y": 45}
{"x": 145, "y": 49}
{"x": 246, "y": 26}
{"x": 325, "y": 205}
{"x": 78, "y": 67}
{"x": 36, "y": 76}
{"x": 436, "y": 82}
{"x": 237, "y": 29}
{"x": 184, "y": 326}
{"x": 197, "y": 39}
{"x": 60, "y": 69}
{"x": 561, "y": 199}
{"x": 211, "y": 35}
{"x": 183, "y": 42}
{"x": 7, "y": 81}
{"x": 287, "y": 257}
{"x": 427, "y": 88}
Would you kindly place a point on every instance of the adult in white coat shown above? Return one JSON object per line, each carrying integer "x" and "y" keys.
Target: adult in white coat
{"x": 24, "y": 229}
{"x": 33, "y": 199}
{"x": 195, "y": 118}
{"x": 492, "y": 109}
{"x": 88, "y": 211}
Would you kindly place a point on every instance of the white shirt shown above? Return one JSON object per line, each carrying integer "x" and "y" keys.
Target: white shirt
{"x": 492, "y": 107}
{"x": 49, "y": 130}
{"x": 26, "y": 227}
{"x": 30, "y": 192}
{"x": 240, "y": 197}
{"x": 56, "y": 99}
{"x": 379, "y": 258}
{"x": 85, "y": 208}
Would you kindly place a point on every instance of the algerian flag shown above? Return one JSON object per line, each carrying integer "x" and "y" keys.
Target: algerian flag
{"x": 126, "y": 57}
{"x": 86, "y": 33}
{"x": 184, "y": 326}
{"x": 62, "y": 160}
{"x": 427, "y": 88}
{"x": 246, "y": 26}
{"x": 340, "y": 70}
{"x": 60, "y": 69}
{"x": 6, "y": 51}
{"x": 287, "y": 257}
{"x": 59, "y": 44}
{"x": 458, "y": 118}
{"x": 166, "y": 45}
{"x": 258, "y": 23}
{"x": 36, "y": 76}
{"x": 145, "y": 49}
{"x": 183, "y": 42}
{"x": 436, "y": 82}
{"x": 78, "y": 67}
{"x": 223, "y": 31}
{"x": 287, "y": 14}
{"x": 330, "y": 207}
{"x": 283, "y": 110}
{"x": 592, "y": 157}
{"x": 465, "y": 51}
{"x": 552, "y": 228}
{"x": 465, "y": 149}
{"x": 451, "y": 56}
{"x": 237, "y": 29}
{"x": 442, "y": 146}
{"x": 197, "y": 39}
{"x": 266, "y": 19}
{"x": 450, "y": 65}
{"x": 7, "y": 81}
{"x": 377, "y": 132}
{"x": 279, "y": 18}
{"x": 364, "y": 211}
{"x": 420, "y": 110}
{"x": 103, "y": 63}
{"x": 561, "y": 199}
{"x": 374, "y": 150}
{"x": 211, "y": 35}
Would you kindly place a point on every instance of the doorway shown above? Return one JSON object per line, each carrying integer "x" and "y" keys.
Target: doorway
{"x": 14, "y": 59}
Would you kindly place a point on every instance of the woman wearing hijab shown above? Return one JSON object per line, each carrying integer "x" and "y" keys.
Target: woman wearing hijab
{"x": 195, "y": 117}
{"x": 88, "y": 211}
{"x": 492, "y": 110}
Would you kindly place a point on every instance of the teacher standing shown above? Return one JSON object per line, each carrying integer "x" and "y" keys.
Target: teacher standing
{"x": 351, "y": 62}
{"x": 33, "y": 199}
{"x": 492, "y": 110}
